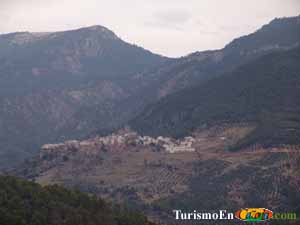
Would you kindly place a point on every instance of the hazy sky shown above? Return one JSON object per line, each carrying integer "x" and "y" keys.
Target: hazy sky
{"x": 168, "y": 27}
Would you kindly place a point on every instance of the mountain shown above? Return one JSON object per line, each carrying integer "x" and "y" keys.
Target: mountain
{"x": 27, "y": 203}
{"x": 201, "y": 66}
{"x": 65, "y": 59}
{"x": 80, "y": 83}
{"x": 55, "y": 86}
{"x": 264, "y": 92}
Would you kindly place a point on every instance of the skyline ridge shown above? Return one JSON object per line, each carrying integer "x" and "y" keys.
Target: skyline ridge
{"x": 96, "y": 27}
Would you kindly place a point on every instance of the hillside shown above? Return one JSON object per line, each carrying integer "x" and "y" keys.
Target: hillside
{"x": 199, "y": 67}
{"x": 265, "y": 91}
{"x": 76, "y": 84}
{"x": 26, "y": 203}
{"x": 64, "y": 59}
{"x": 60, "y": 85}
{"x": 156, "y": 175}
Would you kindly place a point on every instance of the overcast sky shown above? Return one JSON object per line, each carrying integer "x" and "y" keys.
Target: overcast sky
{"x": 168, "y": 27}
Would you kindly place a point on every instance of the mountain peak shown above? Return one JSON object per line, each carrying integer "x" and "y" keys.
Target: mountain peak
{"x": 100, "y": 30}
{"x": 270, "y": 37}
{"x": 96, "y": 27}
{"x": 28, "y": 37}
{"x": 295, "y": 19}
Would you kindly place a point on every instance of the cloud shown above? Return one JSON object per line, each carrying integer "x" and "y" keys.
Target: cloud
{"x": 169, "y": 19}
{"x": 174, "y": 16}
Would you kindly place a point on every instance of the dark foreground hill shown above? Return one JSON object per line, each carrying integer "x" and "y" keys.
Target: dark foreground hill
{"x": 265, "y": 92}
{"x": 27, "y": 203}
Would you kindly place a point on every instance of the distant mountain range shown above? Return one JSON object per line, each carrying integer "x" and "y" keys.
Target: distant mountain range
{"x": 74, "y": 84}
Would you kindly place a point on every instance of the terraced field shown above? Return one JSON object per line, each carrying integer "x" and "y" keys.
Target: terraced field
{"x": 157, "y": 182}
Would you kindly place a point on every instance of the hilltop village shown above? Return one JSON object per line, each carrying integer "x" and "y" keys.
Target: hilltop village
{"x": 126, "y": 138}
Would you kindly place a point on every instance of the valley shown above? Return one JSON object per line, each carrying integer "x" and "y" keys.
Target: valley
{"x": 83, "y": 109}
